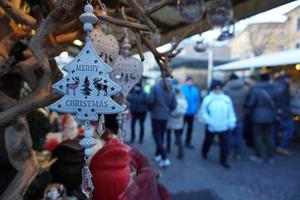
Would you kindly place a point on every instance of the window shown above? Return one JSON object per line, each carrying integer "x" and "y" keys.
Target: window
{"x": 297, "y": 45}
{"x": 298, "y": 24}
{"x": 281, "y": 47}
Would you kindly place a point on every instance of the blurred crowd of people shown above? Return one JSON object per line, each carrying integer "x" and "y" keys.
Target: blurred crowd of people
{"x": 240, "y": 111}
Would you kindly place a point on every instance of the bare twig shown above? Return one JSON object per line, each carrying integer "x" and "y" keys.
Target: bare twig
{"x": 157, "y": 6}
{"x": 139, "y": 46}
{"x": 139, "y": 10}
{"x": 121, "y": 22}
{"x": 17, "y": 14}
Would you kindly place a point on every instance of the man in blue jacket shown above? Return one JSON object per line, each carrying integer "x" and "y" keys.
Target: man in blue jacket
{"x": 191, "y": 94}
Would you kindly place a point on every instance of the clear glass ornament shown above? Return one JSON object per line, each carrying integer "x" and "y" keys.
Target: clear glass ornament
{"x": 101, "y": 125}
{"x": 228, "y": 31}
{"x": 122, "y": 125}
{"x": 219, "y": 12}
{"x": 191, "y": 10}
{"x": 87, "y": 186}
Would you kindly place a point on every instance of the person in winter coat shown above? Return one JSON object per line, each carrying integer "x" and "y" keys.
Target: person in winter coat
{"x": 295, "y": 103}
{"x": 160, "y": 102}
{"x": 138, "y": 108}
{"x": 191, "y": 94}
{"x": 175, "y": 123}
{"x": 238, "y": 92}
{"x": 285, "y": 121}
{"x": 262, "y": 103}
{"x": 218, "y": 114}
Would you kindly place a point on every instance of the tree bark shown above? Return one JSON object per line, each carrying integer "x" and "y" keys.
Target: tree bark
{"x": 18, "y": 145}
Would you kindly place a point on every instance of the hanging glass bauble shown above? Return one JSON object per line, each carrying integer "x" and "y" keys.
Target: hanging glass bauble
{"x": 219, "y": 12}
{"x": 191, "y": 10}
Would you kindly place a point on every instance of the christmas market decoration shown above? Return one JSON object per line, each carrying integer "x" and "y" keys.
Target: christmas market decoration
{"x": 87, "y": 89}
{"x": 127, "y": 72}
{"x": 191, "y": 10}
{"x": 219, "y": 12}
{"x": 106, "y": 46}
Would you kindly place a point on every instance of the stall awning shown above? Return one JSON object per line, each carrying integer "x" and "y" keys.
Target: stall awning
{"x": 269, "y": 60}
{"x": 194, "y": 62}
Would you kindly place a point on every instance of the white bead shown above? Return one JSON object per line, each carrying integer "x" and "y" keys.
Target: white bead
{"x": 88, "y": 133}
{"x": 88, "y": 18}
{"x": 88, "y": 152}
{"x": 88, "y": 8}
{"x": 87, "y": 142}
{"x": 88, "y": 27}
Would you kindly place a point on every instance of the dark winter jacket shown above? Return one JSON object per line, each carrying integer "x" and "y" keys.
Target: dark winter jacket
{"x": 161, "y": 102}
{"x": 262, "y": 103}
{"x": 295, "y": 104}
{"x": 137, "y": 101}
{"x": 238, "y": 93}
{"x": 283, "y": 90}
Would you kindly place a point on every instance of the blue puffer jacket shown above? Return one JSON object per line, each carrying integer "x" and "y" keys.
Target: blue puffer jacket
{"x": 191, "y": 95}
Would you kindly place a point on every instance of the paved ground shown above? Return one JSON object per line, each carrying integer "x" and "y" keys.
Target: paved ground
{"x": 198, "y": 179}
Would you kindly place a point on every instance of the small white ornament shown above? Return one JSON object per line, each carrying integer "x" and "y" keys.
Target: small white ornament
{"x": 88, "y": 18}
{"x": 88, "y": 8}
{"x": 127, "y": 73}
{"x": 106, "y": 46}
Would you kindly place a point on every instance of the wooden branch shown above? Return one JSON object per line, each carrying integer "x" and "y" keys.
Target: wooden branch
{"x": 41, "y": 99}
{"x": 17, "y": 14}
{"x": 6, "y": 101}
{"x": 2, "y": 12}
{"x": 6, "y": 44}
{"x": 121, "y": 22}
{"x": 68, "y": 26}
{"x": 43, "y": 95}
{"x": 26, "y": 69}
{"x": 141, "y": 14}
{"x": 139, "y": 46}
{"x": 67, "y": 37}
{"x": 18, "y": 145}
{"x": 157, "y": 7}
{"x": 161, "y": 61}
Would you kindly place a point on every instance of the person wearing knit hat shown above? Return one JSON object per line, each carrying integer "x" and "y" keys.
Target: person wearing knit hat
{"x": 111, "y": 171}
{"x": 123, "y": 173}
{"x": 218, "y": 114}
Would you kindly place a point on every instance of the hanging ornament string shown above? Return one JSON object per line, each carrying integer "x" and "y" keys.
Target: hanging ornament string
{"x": 87, "y": 90}
{"x": 103, "y": 24}
{"x": 126, "y": 45}
{"x": 125, "y": 51}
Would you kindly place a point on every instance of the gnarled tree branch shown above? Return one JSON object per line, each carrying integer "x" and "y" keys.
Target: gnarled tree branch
{"x": 17, "y": 14}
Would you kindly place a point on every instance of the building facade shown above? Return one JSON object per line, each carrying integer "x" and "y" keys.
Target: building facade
{"x": 264, "y": 38}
